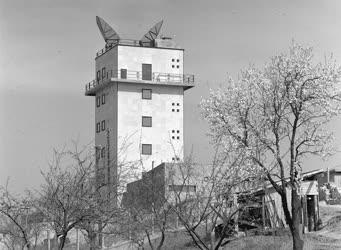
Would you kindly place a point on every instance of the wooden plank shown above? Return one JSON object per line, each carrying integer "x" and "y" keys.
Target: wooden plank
{"x": 309, "y": 188}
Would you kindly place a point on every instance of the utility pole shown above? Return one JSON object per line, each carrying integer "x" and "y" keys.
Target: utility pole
{"x": 48, "y": 239}
{"x": 77, "y": 239}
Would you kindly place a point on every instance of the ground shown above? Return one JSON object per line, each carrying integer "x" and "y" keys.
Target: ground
{"x": 329, "y": 237}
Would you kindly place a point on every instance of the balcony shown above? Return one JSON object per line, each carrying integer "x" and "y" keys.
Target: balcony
{"x": 187, "y": 81}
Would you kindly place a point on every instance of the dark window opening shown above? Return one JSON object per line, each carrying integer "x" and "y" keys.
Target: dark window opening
{"x": 146, "y": 72}
{"x": 178, "y": 110}
{"x": 146, "y": 121}
{"x": 98, "y": 127}
{"x": 178, "y": 131}
{"x": 97, "y": 153}
{"x": 103, "y": 99}
{"x": 98, "y": 76}
{"x": 147, "y": 94}
{"x": 98, "y": 101}
{"x": 102, "y": 152}
{"x": 103, "y": 125}
{"x": 173, "y": 110}
{"x": 146, "y": 149}
{"x": 103, "y": 72}
{"x": 123, "y": 73}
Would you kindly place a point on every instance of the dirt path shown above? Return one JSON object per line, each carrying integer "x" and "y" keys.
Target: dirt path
{"x": 329, "y": 237}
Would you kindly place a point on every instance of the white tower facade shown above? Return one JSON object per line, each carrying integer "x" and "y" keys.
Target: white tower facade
{"x": 139, "y": 92}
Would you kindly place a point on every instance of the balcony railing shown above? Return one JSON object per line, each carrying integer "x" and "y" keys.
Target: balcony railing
{"x": 138, "y": 76}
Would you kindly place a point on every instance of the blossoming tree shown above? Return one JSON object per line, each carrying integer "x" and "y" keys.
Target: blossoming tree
{"x": 276, "y": 117}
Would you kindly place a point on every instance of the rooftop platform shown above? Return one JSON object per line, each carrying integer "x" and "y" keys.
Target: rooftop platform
{"x": 185, "y": 81}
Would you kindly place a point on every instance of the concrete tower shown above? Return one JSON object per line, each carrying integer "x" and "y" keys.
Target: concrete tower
{"x": 139, "y": 92}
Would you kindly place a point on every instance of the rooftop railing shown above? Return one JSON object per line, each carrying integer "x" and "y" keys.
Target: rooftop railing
{"x": 138, "y": 76}
{"x": 129, "y": 42}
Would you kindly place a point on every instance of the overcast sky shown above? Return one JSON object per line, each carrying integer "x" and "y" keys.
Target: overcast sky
{"x": 47, "y": 51}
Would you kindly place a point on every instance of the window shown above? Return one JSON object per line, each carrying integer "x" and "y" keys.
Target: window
{"x": 146, "y": 121}
{"x": 177, "y": 60}
{"x": 146, "y": 72}
{"x": 103, "y": 72}
{"x": 98, "y": 127}
{"x": 98, "y": 77}
{"x": 173, "y": 66}
{"x": 173, "y": 104}
{"x": 173, "y": 131}
{"x": 178, "y": 137}
{"x": 178, "y": 104}
{"x": 173, "y": 110}
{"x": 178, "y": 131}
{"x": 103, "y": 125}
{"x": 146, "y": 149}
{"x": 103, "y": 99}
{"x": 173, "y": 137}
{"x": 147, "y": 94}
{"x": 97, "y": 153}
{"x": 182, "y": 188}
{"x": 102, "y": 152}
{"x": 178, "y": 110}
{"x": 98, "y": 101}
{"x": 173, "y": 60}
{"x": 123, "y": 73}
{"x": 177, "y": 66}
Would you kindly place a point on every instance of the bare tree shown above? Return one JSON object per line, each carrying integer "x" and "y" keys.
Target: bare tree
{"x": 276, "y": 117}
{"x": 68, "y": 197}
{"x": 18, "y": 224}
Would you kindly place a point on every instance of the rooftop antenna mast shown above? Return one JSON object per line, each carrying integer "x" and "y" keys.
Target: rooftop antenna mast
{"x": 109, "y": 34}
{"x": 151, "y": 35}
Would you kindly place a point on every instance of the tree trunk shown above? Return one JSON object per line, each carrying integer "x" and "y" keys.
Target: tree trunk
{"x": 296, "y": 228}
{"x": 161, "y": 241}
{"x": 92, "y": 239}
{"x": 62, "y": 241}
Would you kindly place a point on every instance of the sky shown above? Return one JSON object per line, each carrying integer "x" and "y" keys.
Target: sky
{"x": 47, "y": 51}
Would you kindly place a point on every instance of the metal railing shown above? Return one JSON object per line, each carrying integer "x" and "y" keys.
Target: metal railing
{"x": 138, "y": 76}
{"x": 129, "y": 42}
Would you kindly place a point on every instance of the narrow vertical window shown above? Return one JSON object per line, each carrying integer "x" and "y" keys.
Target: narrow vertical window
{"x": 123, "y": 73}
{"x": 98, "y": 101}
{"x": 103, "y": 125}
{"x": 103, "y": 98}
{"x": 97, "y": 153}
{"x": 98, "y": 127}
{"x": 103, "y": 72}
{"x": 98, "y": 76}
{"x": 103, "y": 152}
{"x": 146, "y": 72}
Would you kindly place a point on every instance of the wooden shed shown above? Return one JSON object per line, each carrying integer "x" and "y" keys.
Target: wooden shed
{"x": 271, "y": 210}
